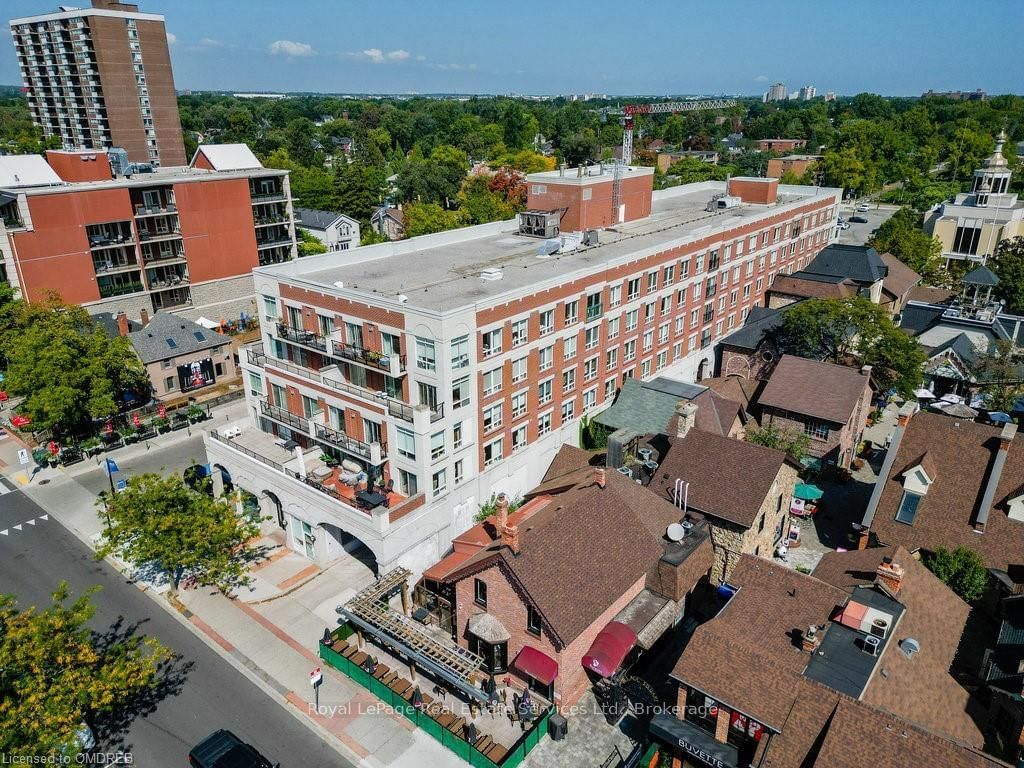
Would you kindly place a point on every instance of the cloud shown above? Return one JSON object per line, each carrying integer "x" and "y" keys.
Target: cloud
{"x": 379, "y": 56}
{"x": 761, "y": 79}
{"x": 209, "y": 42}
{"x": 399, "y": 55}
{"x": 171, "y": 38}
{"x": 290, "y": 48}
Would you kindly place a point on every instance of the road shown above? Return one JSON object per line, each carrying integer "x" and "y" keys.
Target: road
{"x": 136, "y": 459}
{"x": 858, "y": 234}
{"x": 199, "y": 695}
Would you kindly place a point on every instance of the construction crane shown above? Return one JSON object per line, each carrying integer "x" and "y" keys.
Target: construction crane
{"x": 666, "y": 107}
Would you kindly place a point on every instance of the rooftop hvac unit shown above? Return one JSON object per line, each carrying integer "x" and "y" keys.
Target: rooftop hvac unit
{"x": 650, "y": 466}
{"x": 645, "y": 454}
{"x": 590, "y": 237}
{"x": 879, "y": 628}
{"x": 625, "y": 471}
{"x": 729, "y": 201}
{"x": 871, "y": 645}
{"x": 570, "y": 242}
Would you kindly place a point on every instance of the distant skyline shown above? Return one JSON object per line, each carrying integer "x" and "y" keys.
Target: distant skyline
{"x": 892, "y": 47}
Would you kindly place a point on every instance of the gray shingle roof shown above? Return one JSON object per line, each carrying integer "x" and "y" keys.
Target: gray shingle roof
{"x": 312, "y": 218}
{"x": 859, "y": 262}
{"x": 981, "y": 275}
{"x": 760, "y": 322}
{"x": 169, "y": 336}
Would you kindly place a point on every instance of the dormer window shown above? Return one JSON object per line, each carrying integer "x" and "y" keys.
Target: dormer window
{"x": 1015, "y": 509}
{"x": 918, "y": 478}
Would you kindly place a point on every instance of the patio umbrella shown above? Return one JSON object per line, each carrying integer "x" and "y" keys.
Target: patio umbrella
{"x": 369, "y": 665}
{"x": 525, "y": 705}
{"x": 924, "y": 394}
{"x": 961, "y": 411}
{"x": 417, "y": 697}
{"x": 999, "y": 417}
{"x": 951, "y": 398}
{"x": 808, "y": 492}
{"x": 326, "y": 640}
{"x": 492, "y": 688}
{"x": 471, "y": 733}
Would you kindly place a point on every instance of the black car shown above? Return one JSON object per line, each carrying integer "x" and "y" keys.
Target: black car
{"x": 222, "y": 749}
{"x": 858, "y": 220}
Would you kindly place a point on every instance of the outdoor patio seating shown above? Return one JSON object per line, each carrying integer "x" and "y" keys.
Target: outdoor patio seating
{"x": 381, "y": 670}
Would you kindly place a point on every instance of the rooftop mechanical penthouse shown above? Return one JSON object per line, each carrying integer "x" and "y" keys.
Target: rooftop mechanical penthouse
{"x": 440, "y": 370}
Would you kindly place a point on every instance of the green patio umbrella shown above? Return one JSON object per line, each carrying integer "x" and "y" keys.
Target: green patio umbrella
{"x": 808, "y": 492}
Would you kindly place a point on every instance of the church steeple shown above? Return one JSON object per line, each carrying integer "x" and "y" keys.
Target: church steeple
{"x": 993, "y": 178}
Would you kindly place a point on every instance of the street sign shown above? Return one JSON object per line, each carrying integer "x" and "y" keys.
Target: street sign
{"x": 316, "y": 677}
{"x": 23, "y": 456}
{"x": 122, "y": 485}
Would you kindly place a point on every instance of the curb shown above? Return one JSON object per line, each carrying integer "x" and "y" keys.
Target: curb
{"x": 235, "y": 658}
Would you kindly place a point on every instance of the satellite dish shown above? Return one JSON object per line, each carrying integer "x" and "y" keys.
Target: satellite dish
{"x": 676, "y": 532}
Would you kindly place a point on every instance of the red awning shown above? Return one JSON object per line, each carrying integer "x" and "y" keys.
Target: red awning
{"x": 609, "y": 649}
{"x": 536, "y": 664}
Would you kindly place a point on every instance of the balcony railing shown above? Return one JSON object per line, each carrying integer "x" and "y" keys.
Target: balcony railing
{"x": 272, "y": 197}
{"x": 285, "y": 240}
{"x": 119, "y": 290}
{"x": 104, "y": 267}
{"x": 377, "y": 360}
{"x": 147, "y": 236}
{"x": 159, "y": 257}
{"x": 324, "y": 434}
{"x": 155, "y": 210}
{"x": 298, "y": 336}
{"x": 282, "y": 416}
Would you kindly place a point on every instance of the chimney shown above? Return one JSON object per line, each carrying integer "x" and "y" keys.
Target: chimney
{"x": 510, "y": 538}
{"x": 890, "y": 575}
{"x": 600, "y": 477}
{"x": 687, "y": 413}
{"x": 865, "y": 370}
{"x": 501, "y": 513}
{"x": 811, "y": 639}
{"x": 122, "y": 324}
{"x": 989, "y": 496}
{"x": 905, "y": 413}
{"x": 144, "y": 317}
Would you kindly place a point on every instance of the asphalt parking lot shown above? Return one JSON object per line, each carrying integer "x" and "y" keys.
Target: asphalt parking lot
{"x": 858, "y": 234}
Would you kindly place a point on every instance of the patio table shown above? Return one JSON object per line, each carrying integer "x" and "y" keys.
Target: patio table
{"x": 445, "y": 718}
{"x": 401, "y": 686}
{"x": 358, "y": 658}
{"x": 496, "y": 753}
{"x": 381, "y": 671}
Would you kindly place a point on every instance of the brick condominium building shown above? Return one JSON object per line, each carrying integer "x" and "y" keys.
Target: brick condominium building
{"x": 178, "y": 239}
{"x": 101, "y": 77}
{"x": 452, "y": 366}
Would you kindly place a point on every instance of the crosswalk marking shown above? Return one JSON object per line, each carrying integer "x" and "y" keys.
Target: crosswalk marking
{"x": 30, "y": 522}
{"x": 17, "y": 527}
{"x": 20, "y": 526}
{"x": 5, "y": 532}
{"x": 44, "y": 517}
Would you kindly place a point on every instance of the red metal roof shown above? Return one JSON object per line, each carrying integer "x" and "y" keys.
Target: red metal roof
{"x": 609, "y": 649}
{"x": 536, "y": 664}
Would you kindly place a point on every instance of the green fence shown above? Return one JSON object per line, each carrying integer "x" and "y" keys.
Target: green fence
{"x": 422, "y": 720}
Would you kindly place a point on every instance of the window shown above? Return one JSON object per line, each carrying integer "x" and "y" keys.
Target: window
{"x": 436, "y": 446}
{"x": 492, "y": 381}
{"x": 493, "y": 452}
{"x": 615, "y": 295}
{"x": 732, "y": 298}
{"x": 966, "y": 240}
{"x": 460, "y": 352}
{"x": 590, "y": 369}
{"x": 492, "y": 417}
{"x": 406, "y": 443}
{"x": 705, "y": 338}
{"x": 572, "y": 312}
{"x": 547, "y": 321}
{"x": 817, "y": 430}
{"x": 663, "y": 333}
{"x": 697, "y": 288}
{"x": 569, "y": 348}
{"x": 661, "y": 361}
{"x": 544, "y": 358}
{"x": 652, "y": 281}
{"x": 480, "y": 592}
{"x": 460, "y": 471}
{"x": 544, "y": 392}
{"x": 629, "y": 350}
{"x": 438, "y": 482}
{"x": 746, "y": 291}
{"x": 711, "y": 286}
{"x": 518, "y": 404}
{"x": 326, "y": 325}
{"x": 648, "y": 311}
{"x": 589, "y": 399}
{"x": 568, "y": 410}
{"x": 518, "y": 370}
{"x": 684, "y": 268}
{"x": 666, "y": 304}
{"x": 518, "y": 438}
{"x": 677, "y": 350}
{"x": 609, "y": 389}
{"x": 544, "y": 423}
{"x": 492, "y": 342}
{"x": 908, "y": 508}
{"x": 270, "y": 307}
{"x": 460, "y": 392}
{"x": 592, "y": 337}
{"x": 309, "y": 406}
{"x": 713, "y": 260}
{"x": 648, "y": 340}
{"x": 170, "y": 384}
{"x": 750, "y": 268}
{"x": 569, "y": 380}
{"x": 709, "y": 312}
{"x": 371, "y": 431}
{"x": 456, "y": 435}
{"x": 645, "y": 369}
{"x": 519, "y": 333}
{"x": 760, "y": 263}
{"x": 669, "y": 274}
{"x": 699, "y": 264}
{"x": 593, "y": 306}
{"x": 613, "y": 328}
{"x": 425, "y": 359}
{"x": 532, "y": 621}
{"x": 611, "y": 358}
{"x": 632, "y": 320}
{"x": 428, "y": 395}
{"x": 633, "y": 289}
{"x": 255, "y": 384}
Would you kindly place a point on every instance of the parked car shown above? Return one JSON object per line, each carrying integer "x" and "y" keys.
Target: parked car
{"x": 222, "y": 749}
{"x": 863, "y": 207}
{"x": 843, "y": 225}
{"x": 858, "y": 220}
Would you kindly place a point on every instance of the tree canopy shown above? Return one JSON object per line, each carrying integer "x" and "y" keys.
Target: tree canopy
{"x": 185, "y": 532}
{"x": 55, "y": 672}
{"x": 853, "y": 330}
{"x": 1008, "y": 265}
{"x": 962, "y": 570}
{"x": 902, "y": 236}
{"x": 794, "y": 442}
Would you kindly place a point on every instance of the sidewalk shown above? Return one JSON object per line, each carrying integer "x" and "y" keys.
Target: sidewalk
{"x": 270, "y": 632}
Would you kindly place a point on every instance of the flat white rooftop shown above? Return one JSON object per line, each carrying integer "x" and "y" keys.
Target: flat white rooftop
{"x": 442, "y": 272}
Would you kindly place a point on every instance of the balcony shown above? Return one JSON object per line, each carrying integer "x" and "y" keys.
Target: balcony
{"x": 147, "y": 236}
{"x": 113, "y": 267}
{"x": 281, "y": 416}
{"x": 109, "y": 289}
{"x": 102, "y": 242}
{"x": 154, "y": 256}
{"x": 305, "y": 338}
{"x": 142, "y": 211}
{"x": 283, "y": 240}
{"x": 393, "y": 365}
{"x": 278, "y": 255}
{"x": 171, "y": 298}
{"x": 269, "y": 197}
{"x": 337, "y": 439}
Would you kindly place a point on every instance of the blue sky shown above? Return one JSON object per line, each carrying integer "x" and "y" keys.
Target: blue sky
{"x": 891, "y": 47}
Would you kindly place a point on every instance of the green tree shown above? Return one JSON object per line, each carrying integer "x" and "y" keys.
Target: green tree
{"x": 54, "y": 674}
{"x": 182, "y": 531}
{"x": 66, "y": 367}
{"x": 490, "y": 506}
{"x": 1008, "y": 265}
{"x": 359, "y": 189}
{"x": 300, "y": 135}
{"x": 518, "y": 125}
{"x": 999, "y": 372}
{"x": 579, "y": 148}
{"x": 693, "y": 169}
{"x": 309, "y": 245}
{"x": 846, "y": 169}
{"x": 792, "y": 441}
{"x": 853, "y": 330}
{"x": 902, "y": 236}
{"x": 481, "y": 204}
{"x": 962, "y": 570}
{"x": 427, "y": 218}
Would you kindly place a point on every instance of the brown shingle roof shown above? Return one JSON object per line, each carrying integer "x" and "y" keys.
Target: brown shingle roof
{"x": 813, "y": 388}
{"x": 728, "y": 478}
{"x": 791, "y": 285}
{"x": 739, "y": 389}
{"x": 900, "y": 278}
{"x": 919, "y": 689}
{"x": 931, "y": 295}
{"x": 961, "y": 453}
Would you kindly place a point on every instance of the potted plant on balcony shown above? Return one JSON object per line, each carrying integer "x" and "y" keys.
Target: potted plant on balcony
{"x": 161, "y": 424}
{"x": 329, "y": 460}
{"x": 92, "y": 446}
{"x": 195, "y": 413}
{"x": 129, "y": 435}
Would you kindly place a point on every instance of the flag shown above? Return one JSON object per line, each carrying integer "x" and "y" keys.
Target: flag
{"x": 112, "y": 467}
{"x": 162, "y": 411}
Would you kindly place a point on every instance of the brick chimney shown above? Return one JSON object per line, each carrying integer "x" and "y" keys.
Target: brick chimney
{"x": 144, "y": 317}
{"x": 510, "y": 538}
{"x": 904, "y": 415}
{"x": 890, "y": 575}
{"x": 501, "y": 513}
{"x": 600, "y": 477}
{"x": 811, "y": 639}
{"x": 687, "y": 413}
{"x": 865, "y": 370}
{"x": 989, "y": 495}
{"x": 122, "y": 324}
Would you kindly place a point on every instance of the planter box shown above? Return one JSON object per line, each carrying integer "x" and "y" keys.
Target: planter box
{"x": 179, "y": 425}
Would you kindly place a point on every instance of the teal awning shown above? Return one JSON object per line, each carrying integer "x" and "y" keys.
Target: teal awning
{"x": 808, "y": 492}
